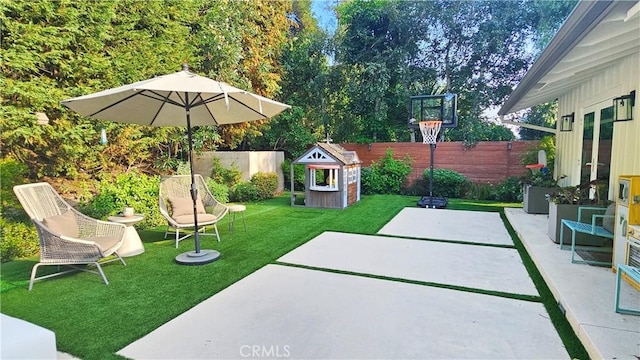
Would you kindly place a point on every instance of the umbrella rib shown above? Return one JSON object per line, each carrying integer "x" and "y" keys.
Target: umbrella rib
{"x": 247, "y": 106}
{"x": 220, "y": 97}
{"x": 162, "y": 98}
{"x": 113, "y": 104}
{"x": 202, "y": 102}
{"x": 166, "y": 98}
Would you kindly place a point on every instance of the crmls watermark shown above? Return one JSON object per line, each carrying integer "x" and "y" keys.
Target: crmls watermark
{"x": 265, "y": 351}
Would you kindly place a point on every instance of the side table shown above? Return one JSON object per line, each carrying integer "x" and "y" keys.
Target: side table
{"x": 233, "y": 210}
{"x": 132, "y": 244}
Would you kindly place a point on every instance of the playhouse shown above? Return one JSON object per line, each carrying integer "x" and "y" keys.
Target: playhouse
{"x": 332, "y": 176}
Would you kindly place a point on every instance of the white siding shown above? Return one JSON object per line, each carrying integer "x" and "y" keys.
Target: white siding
{"x": 613, "y": 81}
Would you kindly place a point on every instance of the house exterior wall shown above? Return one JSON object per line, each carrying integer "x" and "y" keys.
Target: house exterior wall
{"x": 616, "y": 80}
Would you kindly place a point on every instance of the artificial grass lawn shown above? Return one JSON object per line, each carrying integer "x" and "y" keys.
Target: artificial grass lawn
{"x": 93, "y": 321}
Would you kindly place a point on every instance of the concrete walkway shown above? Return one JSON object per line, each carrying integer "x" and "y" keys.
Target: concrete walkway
{"x": 283, "y": 310}
{"x": 585, "y": 292}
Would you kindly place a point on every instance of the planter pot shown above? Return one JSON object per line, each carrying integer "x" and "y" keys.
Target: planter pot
{"x": 557, "y": 212}
{"x": 535, "y": 200}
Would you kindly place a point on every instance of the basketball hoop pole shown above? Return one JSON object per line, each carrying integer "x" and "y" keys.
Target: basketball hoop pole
{"x": 430, "y": 131}
{"x": 431, "y": 148}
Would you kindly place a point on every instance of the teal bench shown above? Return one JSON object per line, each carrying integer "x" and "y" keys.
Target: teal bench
{"x": 588, "y": 228}
{"x": 634, "y": 274}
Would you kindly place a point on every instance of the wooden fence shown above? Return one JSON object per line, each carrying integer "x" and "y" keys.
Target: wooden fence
{"x": 486, "y": 162}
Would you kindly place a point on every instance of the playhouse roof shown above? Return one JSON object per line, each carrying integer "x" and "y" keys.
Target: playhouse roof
{"x": 328, "y": 153}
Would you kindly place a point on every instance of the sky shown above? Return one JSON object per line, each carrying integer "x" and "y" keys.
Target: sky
{"x": 322, "y": 10}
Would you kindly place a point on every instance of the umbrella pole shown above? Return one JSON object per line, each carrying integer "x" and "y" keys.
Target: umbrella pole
{"x": 194, "y": 189}
{"x": 196, "y": 257}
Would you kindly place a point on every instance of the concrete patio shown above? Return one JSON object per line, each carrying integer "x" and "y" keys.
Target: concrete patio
{"x": 330, "y": 309}
{"x": 585, "y": 292}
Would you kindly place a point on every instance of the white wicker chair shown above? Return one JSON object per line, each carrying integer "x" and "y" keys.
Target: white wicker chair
{"x": 76, "y": 240}
{"x": 178, "y": 188}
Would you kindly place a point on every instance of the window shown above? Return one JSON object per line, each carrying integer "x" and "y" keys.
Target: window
{"x": 353, "y": 175}
{"x": 324, "y": 177}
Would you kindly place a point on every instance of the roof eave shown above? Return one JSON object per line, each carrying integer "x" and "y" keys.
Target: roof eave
{"x": 584, "y": 17}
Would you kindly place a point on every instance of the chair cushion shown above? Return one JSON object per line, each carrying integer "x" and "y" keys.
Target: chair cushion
{"x": 184, "y": 206}
{"x": 203, "y": 219}
{"x": 64, "y": 224}
{"x": 609, "y": 223}
{"x": 105, "y": 243}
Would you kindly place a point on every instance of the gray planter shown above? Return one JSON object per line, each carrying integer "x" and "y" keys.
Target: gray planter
{"x": 557, "y": 212}
{"x": 535, "y": 200}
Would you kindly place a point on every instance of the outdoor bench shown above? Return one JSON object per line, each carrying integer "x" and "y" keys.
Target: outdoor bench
{"x": 587, "y": 228}
{"x": 632, "y": 273}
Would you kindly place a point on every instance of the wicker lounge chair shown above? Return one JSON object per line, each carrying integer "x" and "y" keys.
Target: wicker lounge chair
{"x": 176, "y": 205}
{"x": 68, "y": 237}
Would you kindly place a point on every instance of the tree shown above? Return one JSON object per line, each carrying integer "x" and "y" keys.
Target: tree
{"x": 391, "y": 50}
{"x": 53, "y": 50}
{"x": 303, "y": 86}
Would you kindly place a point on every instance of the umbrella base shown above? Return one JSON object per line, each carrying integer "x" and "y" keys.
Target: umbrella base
{"x": 194, "y": 258}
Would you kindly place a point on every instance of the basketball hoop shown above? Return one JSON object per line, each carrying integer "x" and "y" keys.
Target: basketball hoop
{"x": 429, "y": 130}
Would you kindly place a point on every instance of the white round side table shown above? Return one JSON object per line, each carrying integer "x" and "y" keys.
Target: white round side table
{"x": 132, "y": 244}
{"x": 233, "y": 210}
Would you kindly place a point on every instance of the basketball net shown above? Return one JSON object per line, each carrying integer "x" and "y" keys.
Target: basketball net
{"x": 429, "y": 130}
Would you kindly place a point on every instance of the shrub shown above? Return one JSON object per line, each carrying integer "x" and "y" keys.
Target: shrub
{"x": 447, "y": 183}
{"x": 298, "y": 175}
{"x": 230, "y": 177}
{"x": 480, "y": 191}
{"x": 244, "y": 191}
{"x": 510, "y": 190}
{"x": 385, "y": 176}
{"x": 12, "y": 173}
{"x": 18, "y": 240}
{"x": 219, "y": 191}
{"x": 266, "y": 184}
{"x": 133, "y": 189}
{"x": 183, "y": 168}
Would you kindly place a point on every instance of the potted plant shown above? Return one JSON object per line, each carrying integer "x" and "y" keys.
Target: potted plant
{"x": 536, "y": 187}
{"x": 564, "y": 203}
{"x": 539, "y": 180}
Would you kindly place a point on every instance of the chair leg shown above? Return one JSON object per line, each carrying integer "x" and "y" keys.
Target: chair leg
{"x": 104, "y": 278}
{"x": 562, "y": 247}
{"x": 217, "y": 234}
{"x": 177, "y": 237}
{"x": 33, "y": 275}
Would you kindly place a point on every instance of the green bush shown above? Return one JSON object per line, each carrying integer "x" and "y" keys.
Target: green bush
{"x": 386, "y": 176}
{"x": 244, "y": 191}
{"x": 298, "y": 175}
{"x": 12, "y": 173}
{"x": 447, "y": 183}
{"x": 132, "y": 189}
{"x": 219, "y": 191}
{"x": 18, "y": 240}
{"x": 183, "y": 168}
{"x": 266, "y": 184}
{"x": 480, "y": 191}
{"x": 510, "y": 190}
{"x": 221, "y": 175}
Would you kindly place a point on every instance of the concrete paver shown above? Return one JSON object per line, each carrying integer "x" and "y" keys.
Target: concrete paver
{"x": 282, "y": 311}
{"x": 443, "y": 224}
{"x": 478, "y": 267}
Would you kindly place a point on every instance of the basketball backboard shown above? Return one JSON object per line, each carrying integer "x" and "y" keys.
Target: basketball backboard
{"x": 441, "y": 107}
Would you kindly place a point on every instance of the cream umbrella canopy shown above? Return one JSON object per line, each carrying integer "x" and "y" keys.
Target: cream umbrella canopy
{"x": 179, "y": 99}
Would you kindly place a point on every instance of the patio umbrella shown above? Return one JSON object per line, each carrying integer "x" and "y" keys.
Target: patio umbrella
{"x": 179, "y": 99}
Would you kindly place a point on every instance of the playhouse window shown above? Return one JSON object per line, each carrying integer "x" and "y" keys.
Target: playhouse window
{"x": 353, "y": 175}
{"x": 323, "y": 178}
